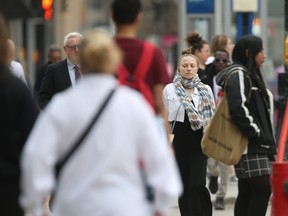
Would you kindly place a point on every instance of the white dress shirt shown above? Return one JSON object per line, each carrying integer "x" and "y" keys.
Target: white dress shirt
{"x": 102, "y": 177}
{"x": 71, "y": 69}
{"x": 173, "y": 104}
{"x": 18, "y": 71}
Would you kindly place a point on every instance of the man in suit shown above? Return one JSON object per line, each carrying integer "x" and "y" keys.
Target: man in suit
{"x": 61, "y": 75}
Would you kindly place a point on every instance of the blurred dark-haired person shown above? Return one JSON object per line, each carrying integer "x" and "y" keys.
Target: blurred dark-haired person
{"x": 216, "y": 168}
{"x": 54, "y": 56}
{"x": 102, "y": 177}
{"x": 17, "y": 116}
{"x": 126, "y": 15}
{"x": 200, "y": 48}
{"x": 251, "y": 109}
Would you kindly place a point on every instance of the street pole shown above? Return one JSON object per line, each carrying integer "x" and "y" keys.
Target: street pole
{"x": 182, "y": 25}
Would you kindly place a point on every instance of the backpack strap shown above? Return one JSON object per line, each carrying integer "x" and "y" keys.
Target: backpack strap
{"x": 137, "y": 78}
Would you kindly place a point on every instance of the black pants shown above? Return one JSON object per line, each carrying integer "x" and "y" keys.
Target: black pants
{"x": 253, "y": 196}
{"x": 192, "y": 163}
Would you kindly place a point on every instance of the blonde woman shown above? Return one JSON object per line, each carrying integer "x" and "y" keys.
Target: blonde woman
{"x": 102, "y": 176}
{"x": 190, "y": 106}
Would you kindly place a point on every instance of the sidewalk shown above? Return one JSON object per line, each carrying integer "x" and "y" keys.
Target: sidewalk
{"x": 230, "y": 199}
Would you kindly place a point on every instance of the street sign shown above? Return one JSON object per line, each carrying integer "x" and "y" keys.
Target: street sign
{"x": 200, "y": 6}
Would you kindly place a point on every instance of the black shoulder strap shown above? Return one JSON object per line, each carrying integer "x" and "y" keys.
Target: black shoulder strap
{"x": 63, "y": 161}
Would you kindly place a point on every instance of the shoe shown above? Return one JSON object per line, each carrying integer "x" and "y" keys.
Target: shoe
{"x": 219, "y": 203}
{"x": 213, "y": 184}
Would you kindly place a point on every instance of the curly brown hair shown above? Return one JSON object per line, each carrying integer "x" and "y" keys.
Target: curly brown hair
{"x": 195, "y": 41}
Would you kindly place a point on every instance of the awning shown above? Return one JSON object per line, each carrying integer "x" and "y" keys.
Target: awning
{"x": 13, "y": 9}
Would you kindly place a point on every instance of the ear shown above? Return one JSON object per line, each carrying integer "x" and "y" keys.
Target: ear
{"x": 138, "y": 19}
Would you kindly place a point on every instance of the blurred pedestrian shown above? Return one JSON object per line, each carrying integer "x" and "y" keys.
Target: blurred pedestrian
{"x": 17, "y": 116}
{"x": 200, "y": 48}
{"x": 218, "y": 42}
{"x": 102, "y": 176}
{"x": 126, "y": 15}
{"x": 54, "y": 56}
{"x": 61, "y": 75}
{"x": 14, "y": 66}
{"x": 251, "y": 109}
{"x": 216, "y": 168}
{"x": 190, "y": 106}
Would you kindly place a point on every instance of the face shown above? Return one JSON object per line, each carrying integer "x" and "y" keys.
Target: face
{"x": 203, "y": 54}
{"x": 55, "y": 56}
{"x": 72, "y": 49}
{"x": 229, "y": 46}
{"x": 221, "y": 61}
{"x": 188, "y": 67}
{"x": 260, "y": 58}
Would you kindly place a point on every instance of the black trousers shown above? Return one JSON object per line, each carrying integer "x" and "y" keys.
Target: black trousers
{"x": 253, "y": 196}
{"x": 192, "y": 163}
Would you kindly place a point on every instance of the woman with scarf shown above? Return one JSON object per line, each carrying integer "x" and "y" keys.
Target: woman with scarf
{"x": 190, "y": 106}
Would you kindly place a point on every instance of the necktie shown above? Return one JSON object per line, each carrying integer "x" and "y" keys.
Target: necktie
{"x": 77, "y": 72}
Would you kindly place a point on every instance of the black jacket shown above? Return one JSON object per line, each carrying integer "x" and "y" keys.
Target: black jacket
{"x": 56, "y": 79}
{"x": 18, "y": 113}
{"x": 248, "y": 110}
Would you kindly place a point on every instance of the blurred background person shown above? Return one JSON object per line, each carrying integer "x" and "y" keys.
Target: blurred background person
{"x": 216, "y": 168}
{"x": 14, "y": 66}
{"x": 199, "y": 48}
{"x": 54, "y": 56}
{"x": 126, "y": 15}
{"x": 190, "y": 106}
{"x": 61, "y": 75}
{"x": 220, "y": 42}
{"x": 102, "y": 177}
{"x": 251, "y": 109}
{"x": 17, "y": 115}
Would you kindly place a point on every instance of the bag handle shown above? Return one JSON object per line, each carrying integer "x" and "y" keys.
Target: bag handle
{"x": 173, "y": 125}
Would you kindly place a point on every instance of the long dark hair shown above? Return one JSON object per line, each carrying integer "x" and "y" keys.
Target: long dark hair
{"x": 244, "y": 53}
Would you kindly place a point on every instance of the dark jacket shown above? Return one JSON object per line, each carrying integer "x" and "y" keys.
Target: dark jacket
{"x": 208, "y": 75}
{"x": 18, "y": 113}
{"x": 56, "y": 79}
{"x": 248, "y": 110}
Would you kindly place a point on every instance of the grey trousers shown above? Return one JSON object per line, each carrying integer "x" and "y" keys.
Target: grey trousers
{"x": 216, "y": 168}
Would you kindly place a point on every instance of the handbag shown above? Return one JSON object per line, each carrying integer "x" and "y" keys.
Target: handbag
{"x": 222, "y": 140}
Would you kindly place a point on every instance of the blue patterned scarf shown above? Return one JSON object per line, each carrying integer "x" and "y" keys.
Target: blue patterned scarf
{"x": 198, "y": 117}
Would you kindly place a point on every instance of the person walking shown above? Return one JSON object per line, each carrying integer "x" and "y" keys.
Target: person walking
{"x": 190, "y": 106}
{"x": 126, "y": 15}
{"x": 15, "y": 67}
{"x": 251, "y": 108}
{"x": 54, "y": 56}
{"x": 216, "y": 168}
{"x": 17, "y": 116}
{"x": 61, "y": 75}
{"x": 218, "y": 42}
{"x": 102, "y": 177}
{"x": 199, "y": 48}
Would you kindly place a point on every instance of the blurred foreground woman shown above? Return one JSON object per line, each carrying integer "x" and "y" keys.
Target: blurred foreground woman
{"x": 17, "y": 116}
{"x": 102, "y": 177}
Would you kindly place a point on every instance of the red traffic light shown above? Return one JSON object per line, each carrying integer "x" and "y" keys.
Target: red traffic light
{"x": 48, "y": 10}
{"x": 47, "y": 4}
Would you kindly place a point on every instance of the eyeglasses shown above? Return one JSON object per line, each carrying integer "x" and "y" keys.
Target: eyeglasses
{"x": 73, "y": 47}
{"x": 225, "y": 61}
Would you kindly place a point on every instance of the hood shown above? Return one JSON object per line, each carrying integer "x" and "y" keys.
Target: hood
{"x": 222, "y": 75}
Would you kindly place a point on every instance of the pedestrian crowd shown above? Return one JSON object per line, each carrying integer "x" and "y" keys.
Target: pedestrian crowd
{"x": 93, "y": 137}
